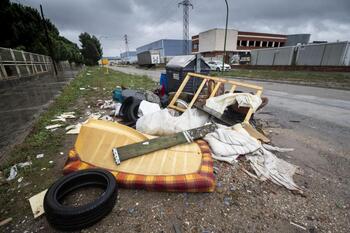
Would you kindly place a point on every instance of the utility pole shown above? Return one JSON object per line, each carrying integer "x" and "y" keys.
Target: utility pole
{"x": 186, "y": 21}
{"x": 223, "y": 57}
{"x": 126, "y": 45}
{"x": 49, "y": 44}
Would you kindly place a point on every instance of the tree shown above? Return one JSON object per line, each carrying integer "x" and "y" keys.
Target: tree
{"x": 22, "y": 28}
{"x": 90, "y": 49}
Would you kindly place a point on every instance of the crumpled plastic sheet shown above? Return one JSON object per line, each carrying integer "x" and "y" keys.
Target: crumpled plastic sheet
{"x": 220, "y": 103}
{"x": 163, "y": 123}
{"x": 14, "y": 170}
{"x": 227, "y": 144}
{"x": 146, "y": 108}
{"x": 267, "y": 166}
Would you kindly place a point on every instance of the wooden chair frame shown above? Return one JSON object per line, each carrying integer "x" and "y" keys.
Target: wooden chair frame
{"x": 218, "y": 82}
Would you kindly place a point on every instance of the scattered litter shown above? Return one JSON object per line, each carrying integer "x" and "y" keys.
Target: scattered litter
{"x": 106, "y": 118}
{"x": 14, "y": 169}
{"x": 50, "y": 162}
{"x": 51, "y": 127}
{"x": 13, "y": 173}
{"x": 24, "y": 164}
{"x": 73, "y": 129}
{"x": 82, "y": 88}
{"x": 42, "y": 169}
{"x": 278, "y": 149}
{"x": 4, "y": 222}
{"x": 20, "y": 180}
{"x": 64, "y": 116}
{"x": 36, "y": 203}
{"x": 297, "y": 225}
{"x": 108, "y": 104}
{"x": 39, "y": 156}
{"x": 61, "y": 153}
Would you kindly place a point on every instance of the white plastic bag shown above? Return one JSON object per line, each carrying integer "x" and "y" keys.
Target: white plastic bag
{"x": 163, "y": 123}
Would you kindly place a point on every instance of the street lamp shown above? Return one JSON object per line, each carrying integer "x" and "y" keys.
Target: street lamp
{"x": 223, "y": 57}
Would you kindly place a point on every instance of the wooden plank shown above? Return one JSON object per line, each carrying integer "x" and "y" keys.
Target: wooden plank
{"x": 233, "y": 88}
{"x": 250, "y": 112}
{"x": 177, "y": 94}
{"x": 252, "y": 86}
{"x": 197, "y": 93}
{"x": 216, "y": 88}
{"x": 254, "y": 133}
{"x": 141, "y": 148}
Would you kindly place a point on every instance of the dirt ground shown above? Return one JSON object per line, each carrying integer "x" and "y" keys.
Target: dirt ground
{"x": 239, "y": 203}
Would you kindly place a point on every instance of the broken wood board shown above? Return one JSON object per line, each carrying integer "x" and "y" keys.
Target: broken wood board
{"x": 37, "y": 203}
{"x": 254, "y": 133}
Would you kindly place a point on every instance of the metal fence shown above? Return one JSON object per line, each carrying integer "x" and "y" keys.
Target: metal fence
{"x": 17, "y": 64}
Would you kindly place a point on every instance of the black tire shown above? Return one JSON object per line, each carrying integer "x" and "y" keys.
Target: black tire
{"x": 218, "y": 69}
{"x": 132, "y": 112}
{"x": 69, "y": 218}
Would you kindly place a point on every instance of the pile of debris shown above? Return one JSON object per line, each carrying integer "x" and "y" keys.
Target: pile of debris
{"x": 167, "y": 142}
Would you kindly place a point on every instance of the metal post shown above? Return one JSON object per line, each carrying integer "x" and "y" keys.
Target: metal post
{"x": 198, "y": 63}
{"x": 223, "y": 58}
{"x": 48, "y": 39}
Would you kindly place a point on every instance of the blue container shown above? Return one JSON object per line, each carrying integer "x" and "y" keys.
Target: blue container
{"x": 164, "y": 81}
{"x": 117, "y": 95}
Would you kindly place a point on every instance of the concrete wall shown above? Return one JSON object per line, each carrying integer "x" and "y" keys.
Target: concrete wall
{"x": 328, "y": 54}
{"x": 274, "y": 56}
{"x": 213, "y": 40}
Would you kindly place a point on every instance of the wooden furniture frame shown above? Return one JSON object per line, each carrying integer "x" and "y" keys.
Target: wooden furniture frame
{"x": 218, "y": 82}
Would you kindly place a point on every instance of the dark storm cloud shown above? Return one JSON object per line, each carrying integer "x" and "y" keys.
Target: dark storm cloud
{"x": 148, "y": 20}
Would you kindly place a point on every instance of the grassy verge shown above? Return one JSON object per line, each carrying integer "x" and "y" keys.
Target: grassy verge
{"x": 339, "y": 80}
{"x": 96, "y": 85}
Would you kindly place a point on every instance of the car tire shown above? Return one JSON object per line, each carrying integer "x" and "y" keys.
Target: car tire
{"x": 132, "y": 112}
{"x": 218, "y": 69}
{"x": 70, "y": 218}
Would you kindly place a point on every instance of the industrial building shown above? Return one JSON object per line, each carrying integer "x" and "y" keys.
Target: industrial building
{"x": 211, "y": 43}
{"x": 167, "y": 48}
{"x": 129, "y": 57}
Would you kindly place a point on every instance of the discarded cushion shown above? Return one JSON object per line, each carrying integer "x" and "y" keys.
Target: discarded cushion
{"x": 183, "y": 168}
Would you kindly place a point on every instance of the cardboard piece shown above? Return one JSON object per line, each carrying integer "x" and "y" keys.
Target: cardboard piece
{"x": 37, "y": 203}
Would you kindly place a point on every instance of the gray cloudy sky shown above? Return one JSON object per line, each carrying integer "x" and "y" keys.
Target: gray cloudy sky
{"x": 149, "y": 20}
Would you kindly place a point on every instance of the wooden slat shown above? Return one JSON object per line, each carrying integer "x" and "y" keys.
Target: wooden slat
{"x": 250, "y": 112}
{"x": 233, "y": 88}
{"x": 197, "y": 93}
{"x": 216, "y": 88}
{"x": 177, "y": 94}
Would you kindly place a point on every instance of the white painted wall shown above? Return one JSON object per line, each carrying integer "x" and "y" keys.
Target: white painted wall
{"x": 213, "y": 40}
